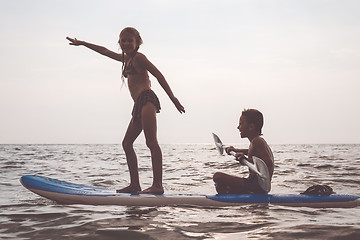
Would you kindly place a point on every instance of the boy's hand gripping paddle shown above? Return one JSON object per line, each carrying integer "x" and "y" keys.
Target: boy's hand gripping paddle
{"x": 259, "y": 166}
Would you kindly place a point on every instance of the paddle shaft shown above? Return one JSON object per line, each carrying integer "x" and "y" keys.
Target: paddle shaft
{"x": 248, "y": 164}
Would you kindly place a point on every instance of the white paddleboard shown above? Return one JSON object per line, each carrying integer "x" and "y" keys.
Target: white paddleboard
{"x": 71, "y": 193}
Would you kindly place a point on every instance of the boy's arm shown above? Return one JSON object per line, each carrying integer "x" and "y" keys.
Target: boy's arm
{"x": 99, "y": 49}
{"x": 237, "y": 150}
{"x": 161, "y": 79}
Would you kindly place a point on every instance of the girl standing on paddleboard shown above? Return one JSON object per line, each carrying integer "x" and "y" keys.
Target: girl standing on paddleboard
{"x": 146, "y": 104}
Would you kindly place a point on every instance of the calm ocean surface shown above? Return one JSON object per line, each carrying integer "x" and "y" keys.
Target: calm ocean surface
{"x": 187, "y": 169}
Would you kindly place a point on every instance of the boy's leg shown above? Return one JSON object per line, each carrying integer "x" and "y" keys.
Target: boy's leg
{"x": 228, "y": 184}
{"x": 133, "y": 131}
{"x": 148, "y": 118}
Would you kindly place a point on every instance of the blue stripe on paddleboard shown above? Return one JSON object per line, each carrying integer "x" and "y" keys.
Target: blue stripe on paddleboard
{"x": 243, "y": 198}
{"x": 303, "y": 198}
{"x": 286, "y": 198}
{"x": 54, "y": 185}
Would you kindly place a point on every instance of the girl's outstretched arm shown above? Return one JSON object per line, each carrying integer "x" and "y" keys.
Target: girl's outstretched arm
{"x": 161, "y": 79}
{"x": 99, "y": 49}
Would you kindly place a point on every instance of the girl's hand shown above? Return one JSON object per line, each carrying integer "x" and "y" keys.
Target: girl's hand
{"x": 178, "y": 105}
{"x": 74, "y": 41}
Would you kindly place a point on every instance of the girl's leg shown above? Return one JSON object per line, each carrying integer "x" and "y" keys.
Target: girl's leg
{"x": 148, "y": 118}
{"x": 133, "y": 131}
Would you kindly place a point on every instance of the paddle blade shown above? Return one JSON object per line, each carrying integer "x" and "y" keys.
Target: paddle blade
{"x": 264, "y": 179}
{"x": 218, "y": 144}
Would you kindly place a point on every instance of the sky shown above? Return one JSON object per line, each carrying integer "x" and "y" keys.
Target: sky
{"x": 297, "y": 61}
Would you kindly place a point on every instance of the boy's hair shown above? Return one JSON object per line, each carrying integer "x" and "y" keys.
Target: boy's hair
{"x": 254, "y": 116}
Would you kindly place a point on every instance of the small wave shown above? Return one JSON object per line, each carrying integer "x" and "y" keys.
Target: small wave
{"x": 325, "y": 166}
{"x": 317, "y": 231}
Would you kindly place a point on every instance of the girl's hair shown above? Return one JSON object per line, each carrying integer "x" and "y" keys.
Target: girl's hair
{"x": 138, "y": 40}
{"x": 135, "y": 33}
{"x": 254, "y": 116}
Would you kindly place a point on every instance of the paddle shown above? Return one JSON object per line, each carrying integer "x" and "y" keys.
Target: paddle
{"x": 259, "y": 166}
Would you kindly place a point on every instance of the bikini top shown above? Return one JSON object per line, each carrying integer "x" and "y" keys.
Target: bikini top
{"x": 129, "y": 68}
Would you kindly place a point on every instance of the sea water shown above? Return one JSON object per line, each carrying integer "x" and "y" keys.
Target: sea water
{"x": 187, "y": 168}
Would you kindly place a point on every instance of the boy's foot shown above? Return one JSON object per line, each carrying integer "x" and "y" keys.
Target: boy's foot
{"x": 153, "y": 190}
{"x": 129, "y": 189}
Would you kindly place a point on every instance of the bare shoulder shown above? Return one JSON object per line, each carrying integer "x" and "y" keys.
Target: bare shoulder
{"x": 259, "y": 142}
{"x": 140, "y": 57}
{"x": 141, "y": 60}
{"x": 260, "y": 146}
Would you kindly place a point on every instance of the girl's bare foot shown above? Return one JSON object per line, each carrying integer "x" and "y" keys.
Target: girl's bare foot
{"x": 153, "y": 190}
{"x": 129, "y": 189}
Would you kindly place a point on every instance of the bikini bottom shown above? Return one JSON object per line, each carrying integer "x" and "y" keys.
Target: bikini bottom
{"x": 146, "y": 96}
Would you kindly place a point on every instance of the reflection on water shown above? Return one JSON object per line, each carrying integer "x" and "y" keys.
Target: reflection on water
{"x": 187, "y": 169}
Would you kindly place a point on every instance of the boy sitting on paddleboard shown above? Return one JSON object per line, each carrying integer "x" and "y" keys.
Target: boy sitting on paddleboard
{"x": 250, "y": 125}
